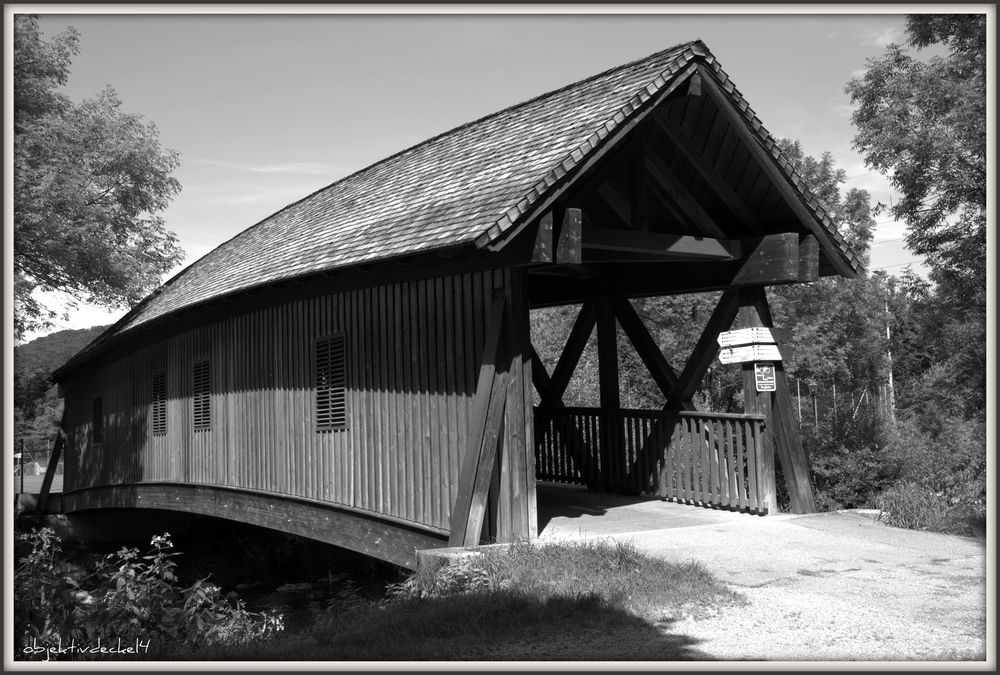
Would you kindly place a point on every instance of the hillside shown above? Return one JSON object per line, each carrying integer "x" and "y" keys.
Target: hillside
{"x": 37, "y": 407}
{"x": 45, "y": 354}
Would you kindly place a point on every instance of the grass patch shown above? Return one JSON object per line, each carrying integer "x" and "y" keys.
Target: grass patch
{"x": 591, "y": 601}
{"x": 916, "y": 507}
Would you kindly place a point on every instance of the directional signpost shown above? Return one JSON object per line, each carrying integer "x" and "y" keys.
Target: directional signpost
{"x": 748, "y": 345}
{"x": 749, "y": 353}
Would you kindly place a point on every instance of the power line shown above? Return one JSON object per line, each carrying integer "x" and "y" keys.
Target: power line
{"x": 885, "y": 267}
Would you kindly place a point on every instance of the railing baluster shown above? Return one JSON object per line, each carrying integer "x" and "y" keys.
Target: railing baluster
{"x": 695, "y": 458}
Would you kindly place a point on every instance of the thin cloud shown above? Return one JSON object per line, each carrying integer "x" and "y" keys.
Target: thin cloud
{"x": 280, "y": 196}
{"x": 883, "y": 38}
{"x": 288, "y": 168}
{"x": 844, "y": 110}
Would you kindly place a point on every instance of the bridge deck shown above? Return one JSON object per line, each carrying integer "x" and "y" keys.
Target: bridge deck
{"x": 572, "y": 512}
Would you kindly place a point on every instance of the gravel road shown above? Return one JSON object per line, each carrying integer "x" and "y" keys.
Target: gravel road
{"x": 826, "y": 587}
{"x": 838, "y": 587}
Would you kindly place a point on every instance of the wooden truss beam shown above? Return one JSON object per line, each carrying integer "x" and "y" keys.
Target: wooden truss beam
{"x": 716, "y": 181}
{"x": 680, "y": 395}
{"x": 575, "y": 343}
{"x": 612, "y": 142}
{"x": 679, "y": 194}
{"x": 705, "y": 350}
{"x": 660, "y": 246}
{"x": 614, "y": 201}
{"x": 645, "y": 346}
{"x": 777, "y": 176}
{"x": 638, "y": 207}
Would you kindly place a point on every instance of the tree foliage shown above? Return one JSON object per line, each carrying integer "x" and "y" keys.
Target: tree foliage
{"x": 923, "y": 124}
{"x": 90, "y": 181}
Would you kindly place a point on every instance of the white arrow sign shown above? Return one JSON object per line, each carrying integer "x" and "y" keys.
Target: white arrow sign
{"x": 746, "y": 336}
{"x": 749, "y": 353}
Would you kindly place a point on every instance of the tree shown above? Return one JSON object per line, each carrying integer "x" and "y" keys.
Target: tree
{"x": 90, "y": 181}
{"x": 923, "y": 124}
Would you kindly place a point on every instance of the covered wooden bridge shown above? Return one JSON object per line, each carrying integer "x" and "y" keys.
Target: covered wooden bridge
{"x": 358, "y": 367}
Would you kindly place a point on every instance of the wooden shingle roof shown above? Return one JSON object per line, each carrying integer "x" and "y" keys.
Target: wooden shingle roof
{"x": 471, "y": 185}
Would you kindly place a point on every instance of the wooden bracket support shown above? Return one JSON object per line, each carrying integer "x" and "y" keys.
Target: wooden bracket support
{"x": 50, "y": 470}
{"x": 479, "y": 463}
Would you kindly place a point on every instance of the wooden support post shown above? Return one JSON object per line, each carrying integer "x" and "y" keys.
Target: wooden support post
{"x": 50, "y": 470}
{"x": 783, "y": 430}
{"x": 759, "y": 402}
{"x": 517, "y": 514}
{"x": 611, "y": 433}
{"x": 542, "y": 251}
{"x": 485, "y": 433}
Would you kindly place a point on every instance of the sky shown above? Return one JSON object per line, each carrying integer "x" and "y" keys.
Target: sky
{"x": 265, "y": 109}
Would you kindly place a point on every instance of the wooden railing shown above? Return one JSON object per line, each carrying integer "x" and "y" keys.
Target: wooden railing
{"x": 712, "y": 459}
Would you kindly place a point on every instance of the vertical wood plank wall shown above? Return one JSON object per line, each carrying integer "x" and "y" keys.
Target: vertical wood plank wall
{"x": 412, "y": 360}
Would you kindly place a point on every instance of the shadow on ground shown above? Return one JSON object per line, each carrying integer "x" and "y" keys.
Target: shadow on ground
{"x": 497, "y": 626}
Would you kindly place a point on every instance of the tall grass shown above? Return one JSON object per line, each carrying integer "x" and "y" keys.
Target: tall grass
{"x": 589, "y": 601}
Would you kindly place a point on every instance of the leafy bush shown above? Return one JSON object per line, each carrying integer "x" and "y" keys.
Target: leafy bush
{"x": 946, "y": 455}
{"x": 126, "y": 596}
{"x": 912, "y": 506}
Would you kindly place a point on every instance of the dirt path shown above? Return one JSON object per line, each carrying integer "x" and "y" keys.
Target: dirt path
{"x": 836, "y": 587}
{"x": 826, "y": 587}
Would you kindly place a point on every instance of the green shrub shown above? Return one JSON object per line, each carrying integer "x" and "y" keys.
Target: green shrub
{"x": 945, "y": 455}
{"x": 125, "y": 596}
{"x": 912, "y": 506}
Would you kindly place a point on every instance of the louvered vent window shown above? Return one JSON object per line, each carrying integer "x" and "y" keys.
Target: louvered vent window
{"x": 202, "y": 397}
{"x": 331, "y": 400}
{"x": 159, "y": 404}
{"x": 97, "y": 421}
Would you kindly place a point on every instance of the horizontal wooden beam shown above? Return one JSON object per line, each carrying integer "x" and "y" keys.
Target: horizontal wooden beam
{"x": 655, "y": 244}
{"x": 380, "y": 537}
{"x": 770, "y": 260}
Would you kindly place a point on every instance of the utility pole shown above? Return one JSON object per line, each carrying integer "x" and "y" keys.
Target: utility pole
{"x": 798, "y": 397}
{"x": 888, "y": 352}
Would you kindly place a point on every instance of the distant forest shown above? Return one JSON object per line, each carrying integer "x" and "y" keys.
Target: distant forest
{"x": 37, "y": 406}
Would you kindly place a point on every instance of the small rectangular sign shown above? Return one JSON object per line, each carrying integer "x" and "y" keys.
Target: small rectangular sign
{"x": 764, "y": 376}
